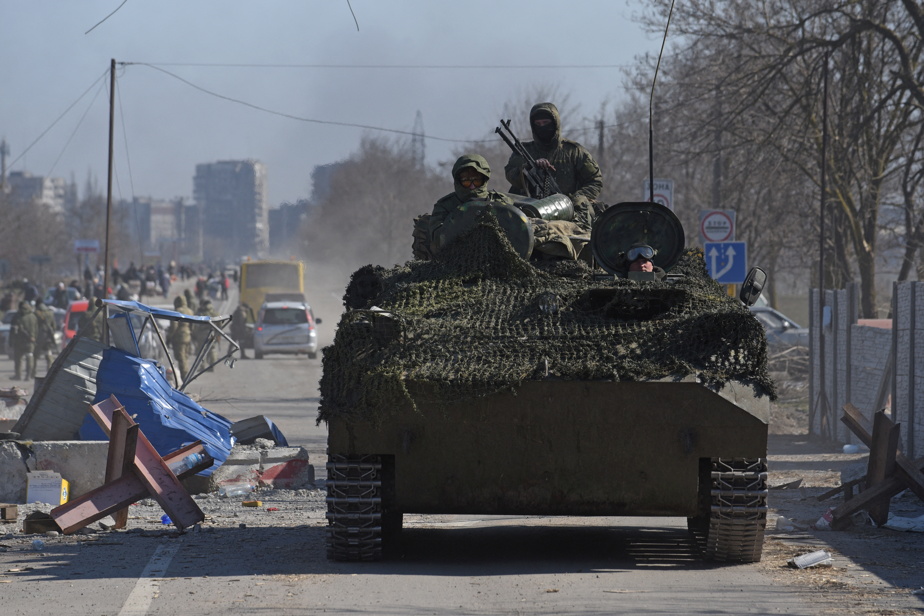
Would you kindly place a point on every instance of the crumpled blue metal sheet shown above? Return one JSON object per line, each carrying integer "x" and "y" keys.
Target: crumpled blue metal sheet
{"x": 167, "y": 417}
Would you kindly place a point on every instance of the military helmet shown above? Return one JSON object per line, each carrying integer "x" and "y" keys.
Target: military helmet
{"x": 474, "y": 161}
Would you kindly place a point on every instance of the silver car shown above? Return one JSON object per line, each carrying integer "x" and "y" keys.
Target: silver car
{"x": 285, "y": 327}
{"x": 782, "y": 332}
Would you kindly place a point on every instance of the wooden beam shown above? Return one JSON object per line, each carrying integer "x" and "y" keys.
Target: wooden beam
{"x": 907, "y": 470}
{"x": 119, "y": 494}
{"x": 134, "y": 470}
{"x": 123, "y": 439}
{"x": 882, "y": 462}
{"x": 153, "y": 472}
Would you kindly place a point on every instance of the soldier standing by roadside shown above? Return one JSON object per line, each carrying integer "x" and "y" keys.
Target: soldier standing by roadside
{"x": 180, "y": 338}
{"x": 239, "y": 327}
{"x": 189, "y": 297}
{"x": 201, "y": 331}
{"x": 23, "y": 333}
{"x": 45, "y": 341}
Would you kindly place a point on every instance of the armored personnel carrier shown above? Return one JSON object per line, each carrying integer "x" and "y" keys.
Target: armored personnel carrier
{"x": 480, "y": 382}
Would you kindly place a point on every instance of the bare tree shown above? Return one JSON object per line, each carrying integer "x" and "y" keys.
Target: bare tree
{"x": 367, "y": 215}
{"x": 35, "y": 241}
{"x": 769, "y": 58}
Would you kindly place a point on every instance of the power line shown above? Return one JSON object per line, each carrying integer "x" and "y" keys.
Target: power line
{"x": 505, "y": 67}
{"x": 76, "y": 128}
{"x": 299, "y": 118}
{"x": 58, "y": 119}
{"x": 411, "y": 133}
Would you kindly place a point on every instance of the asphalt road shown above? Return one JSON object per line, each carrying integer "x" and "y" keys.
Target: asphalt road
{"x": 443, "y": 564}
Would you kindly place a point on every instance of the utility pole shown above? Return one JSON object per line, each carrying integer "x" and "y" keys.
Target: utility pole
{"x": 717, "y": 156}
{"x": 600, "y": 150}
{"x": 112, "y": 84}
{"x": 4, "y": 152}
{"x": 418, "y": 147}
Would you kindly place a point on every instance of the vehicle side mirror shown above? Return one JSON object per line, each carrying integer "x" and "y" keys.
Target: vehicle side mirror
{"x": 318, "y": 320}
{"x": 752, "y": 286}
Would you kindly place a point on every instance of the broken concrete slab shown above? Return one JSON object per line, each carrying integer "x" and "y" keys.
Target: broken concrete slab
{"x": 82, "y": 463}
{"x": 266, "y": 466}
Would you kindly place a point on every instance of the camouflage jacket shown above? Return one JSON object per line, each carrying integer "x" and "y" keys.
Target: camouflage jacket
{"x": 576, "y": 172}
{"x": 461, "y": 194}
{"x": 46, "y": 328}
{"x": 24, "y": 328}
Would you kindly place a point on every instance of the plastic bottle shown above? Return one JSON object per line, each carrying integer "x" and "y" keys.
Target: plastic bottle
{"x": 184, "y": 464}
{"x": 236, "y": 489}
{"x": 784, "y": 523}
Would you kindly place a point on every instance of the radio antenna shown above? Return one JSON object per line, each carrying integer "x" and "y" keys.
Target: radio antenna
{"x": 651, "y": 112}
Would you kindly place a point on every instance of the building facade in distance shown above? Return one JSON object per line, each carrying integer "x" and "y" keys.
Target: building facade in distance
{"x": 232, "y": 199}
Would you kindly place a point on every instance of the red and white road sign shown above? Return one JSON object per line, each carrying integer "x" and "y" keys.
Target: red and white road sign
{"x": 717, "y": 225}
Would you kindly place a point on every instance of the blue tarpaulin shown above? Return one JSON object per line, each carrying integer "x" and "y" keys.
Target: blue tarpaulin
{"x": 167, "y": 417}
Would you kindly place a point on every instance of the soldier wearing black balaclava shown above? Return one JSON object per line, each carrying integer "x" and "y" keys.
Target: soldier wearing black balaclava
{"x": 470, "y": 177}
{"x": 574, "y": 169}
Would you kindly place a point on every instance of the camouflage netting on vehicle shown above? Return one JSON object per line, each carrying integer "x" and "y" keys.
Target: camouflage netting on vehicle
{"x": 479, "y": 319}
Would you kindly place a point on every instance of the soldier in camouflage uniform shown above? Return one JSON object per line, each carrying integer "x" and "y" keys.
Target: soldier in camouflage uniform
{"x": 201, "y": 331}
{"x": 575, "y": 170}
{"x": 189, "y": 297}
{"x": 45, "y": 342}
{"x": 23, "y": 334}
{"x": 239, "y": 327}
{"x": 470, "y": 175}
{"x": 179, "y": 337}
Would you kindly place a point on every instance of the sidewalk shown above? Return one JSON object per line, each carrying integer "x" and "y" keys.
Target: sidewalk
{"x": 874, "y": 570}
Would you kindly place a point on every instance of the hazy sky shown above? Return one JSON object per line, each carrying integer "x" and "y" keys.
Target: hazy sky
{"x": 164, "y": 127}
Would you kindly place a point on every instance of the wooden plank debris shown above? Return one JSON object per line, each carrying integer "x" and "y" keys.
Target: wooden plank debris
{"x": 888, "y": 472}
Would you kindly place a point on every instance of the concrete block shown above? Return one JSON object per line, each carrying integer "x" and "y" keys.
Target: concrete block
{"x": 279, "y": 455}
{"x": 12, "y": 472}
{"x": 287, "y": 467}
{"x": 275, "y": 467}
{"x": 82, "y": 463}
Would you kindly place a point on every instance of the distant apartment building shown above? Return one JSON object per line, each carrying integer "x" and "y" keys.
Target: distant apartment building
{"x": 25, "y": 188}
{"x": 232, "y": 200}
{"x": 157, "y": 229}
{"x": 285, "y": 223}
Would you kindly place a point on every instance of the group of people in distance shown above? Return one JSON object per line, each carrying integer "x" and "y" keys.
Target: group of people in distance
{"x": 573, "y": 167}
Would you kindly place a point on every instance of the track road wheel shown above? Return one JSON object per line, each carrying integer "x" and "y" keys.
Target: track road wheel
{"x": 733, "y": 509}
{"x": 354, "y": 507}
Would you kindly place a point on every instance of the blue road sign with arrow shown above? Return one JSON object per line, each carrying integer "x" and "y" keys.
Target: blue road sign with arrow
{"x": 727, "y": 262}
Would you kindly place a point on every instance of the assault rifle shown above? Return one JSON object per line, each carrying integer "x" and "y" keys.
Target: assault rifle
{"x": 539, "y": 182}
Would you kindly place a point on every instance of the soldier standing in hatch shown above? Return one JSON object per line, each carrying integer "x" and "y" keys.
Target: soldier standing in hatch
{"x": 574, "y": 169}
{"x": 23, "y": 334}
{"x": 179, "y": 337}
{"x": 470, "y": 176}
{"x": 45, "y": 341}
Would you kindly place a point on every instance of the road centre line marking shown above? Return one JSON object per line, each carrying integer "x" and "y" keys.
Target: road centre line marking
{"x": 148, "y": 584}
